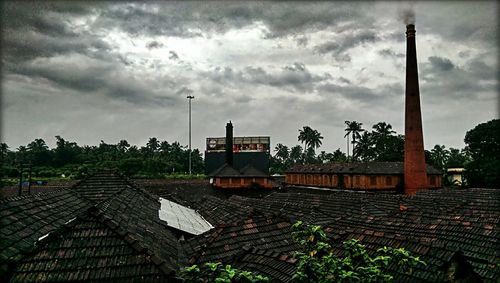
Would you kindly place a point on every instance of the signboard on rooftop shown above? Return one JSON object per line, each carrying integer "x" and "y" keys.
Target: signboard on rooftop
{"x": 240, "y": 144}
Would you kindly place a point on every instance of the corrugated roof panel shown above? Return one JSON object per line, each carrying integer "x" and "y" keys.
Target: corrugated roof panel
{"x": 183, "y": 218}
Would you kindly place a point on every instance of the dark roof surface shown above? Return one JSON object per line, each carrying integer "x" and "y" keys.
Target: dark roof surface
{"x": 89, "y": 248}
{"x": 225, "y": 243}
{"x": 228, "y": 171}
{"x": 434, "y": 225}
{"x": 118, "y": 235}
{"x": 356, "y": 168}
{"x": 105, "y": 224}
{"x": 25, "y": 219}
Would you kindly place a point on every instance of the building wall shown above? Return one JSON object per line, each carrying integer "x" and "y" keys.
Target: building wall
{"x": 241, "y": 182}
{"x": 354, "y": 181}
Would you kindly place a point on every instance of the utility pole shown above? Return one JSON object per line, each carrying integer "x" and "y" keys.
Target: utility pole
{"x": 190, "y": 97}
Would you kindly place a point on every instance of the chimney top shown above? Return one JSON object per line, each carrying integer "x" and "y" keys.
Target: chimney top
{"x": 410, "y": 30}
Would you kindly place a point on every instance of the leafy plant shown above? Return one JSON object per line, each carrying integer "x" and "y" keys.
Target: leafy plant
{"x": 216, "y": 272}
{"x": 319, "y": 264}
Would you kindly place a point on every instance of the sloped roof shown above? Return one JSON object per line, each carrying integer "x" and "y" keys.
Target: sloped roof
{"x": 23, "y": 220}
{"x": 130, "y": 211}
{"x": 250, "y": 171}
{"x": 356, "y": 168}
{"x": 227, "y": 170}
{"x": 225, "y": 243}
{"x": 221, "y": 212}
{"x": 433, "y": 225}
{"x": 91, "y": 247}
{"x": 277, "y": 266}
{"x": 100, "y": 186}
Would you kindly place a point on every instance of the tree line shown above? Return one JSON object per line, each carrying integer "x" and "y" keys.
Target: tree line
{"x": 480, "y": 156}
{"x": 69, "y": 159}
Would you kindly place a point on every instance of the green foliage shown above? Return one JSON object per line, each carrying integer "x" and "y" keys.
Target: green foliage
{"x": 319, "y": 264}
{"x": 216, "y": 272}
{"x": 154, "y": 160}
{"x": 483, "y": 144}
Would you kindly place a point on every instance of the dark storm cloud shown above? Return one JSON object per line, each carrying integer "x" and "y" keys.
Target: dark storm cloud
{"x": 154, "y": 44}
{"x": 442, "y": 78}
{"x": 390, "y": 53}
{"x": 362, "y": 94}
{"x": 173, "y": 56}
{"x": 441, "y": 64}
{"x": 339, "y": 46}
{"x": 188, "y": 19}
{"x": 295, "y": 77}
{"x": 39, "y": 29}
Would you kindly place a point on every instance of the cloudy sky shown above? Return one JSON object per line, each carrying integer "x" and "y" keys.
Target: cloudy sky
{"x": 116, "y": 70}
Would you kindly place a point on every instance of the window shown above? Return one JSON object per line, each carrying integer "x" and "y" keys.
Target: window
{"x": 373, "y": 180}
{"x": 388, "y": 181}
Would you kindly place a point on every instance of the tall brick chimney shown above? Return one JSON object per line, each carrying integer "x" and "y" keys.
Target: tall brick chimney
{"x": 229, "y": 143}
{"x": 415, "y": 175}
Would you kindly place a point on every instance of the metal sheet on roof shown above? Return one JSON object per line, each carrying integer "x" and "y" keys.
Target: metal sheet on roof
{"x": 183, "y": 218}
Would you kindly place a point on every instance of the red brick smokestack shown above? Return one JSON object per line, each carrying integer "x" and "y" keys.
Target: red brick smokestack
{"x": 415, "y": 175}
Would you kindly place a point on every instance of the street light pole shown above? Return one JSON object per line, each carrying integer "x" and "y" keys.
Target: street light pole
{"x": 190, "y": 97}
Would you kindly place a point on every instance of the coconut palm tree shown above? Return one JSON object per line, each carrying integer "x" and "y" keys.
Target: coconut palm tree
{"x": 304, "y": 136}
{"x": 310, "y": 138}
{"x": 354, "y": 129}
{"x": 363, "y": 147}
{"x": 282, "y": 152}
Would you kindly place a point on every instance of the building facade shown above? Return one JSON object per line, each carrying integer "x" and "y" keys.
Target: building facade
{"x": 356, "y": 176}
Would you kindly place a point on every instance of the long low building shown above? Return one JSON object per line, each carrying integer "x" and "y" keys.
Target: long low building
{"x": 356, "y": 176}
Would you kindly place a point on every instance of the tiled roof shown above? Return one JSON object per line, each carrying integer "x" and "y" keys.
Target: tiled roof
{"x": 222, "y": 212}
{"x": 279, "y": 267}
{"x": 91, "y": 247}
{"x": 227, "y": 170}
{"x": 356, "y": 168}
{"x": 127, "y": 212}
{"x": 434, "y": 225}
{"x": 250, "y": 171}
{"x": 225, "y": 243}
{"x": 100, "y": 186}
{"x": 25, "y": 219}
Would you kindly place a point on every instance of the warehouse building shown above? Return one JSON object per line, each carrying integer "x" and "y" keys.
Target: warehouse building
{"x": 356, "y": 176}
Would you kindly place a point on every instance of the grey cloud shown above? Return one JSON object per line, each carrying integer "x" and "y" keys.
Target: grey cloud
{"x": 154, "y": 44}
{"x": 173, "y": 56}
{"x": 390, "y": 53}
{"x": 188, "y": 19}
{"x": 295, "y": 77}
{"x": 362, "y": 94}
{"x": 441, "y": 77}
{"x": 440, "y": 63}
{"x": 345, "y": 41}
{"x": 185, "y": 91}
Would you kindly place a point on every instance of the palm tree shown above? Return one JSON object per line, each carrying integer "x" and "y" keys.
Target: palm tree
{"x": 439, "y": 155}
{"x": 363, "y": 147}
{"x": 383, "y": 129}
{"x": 282, "y": 152}
{"x": 315, "y": 139}
{"x": 310, "y": 138}
{"x": 304, "y": 136}
{"x": 354, "y": 129}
